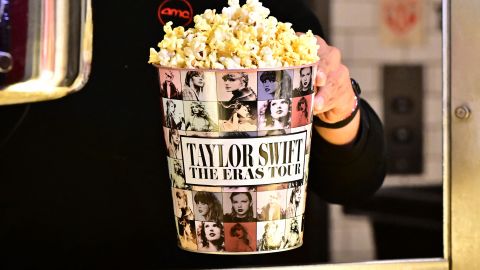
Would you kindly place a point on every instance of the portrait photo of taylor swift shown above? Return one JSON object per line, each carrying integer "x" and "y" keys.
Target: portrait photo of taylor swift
{"x": 275, "y": 84}
{"x": 239, "y": 206}
{"x": 170, "y": 86}
{"x": 201, "y": 116}
{"x": 241, "y": 86}
{"x": 199, "y": 86}
{"x": 238, "y": 116}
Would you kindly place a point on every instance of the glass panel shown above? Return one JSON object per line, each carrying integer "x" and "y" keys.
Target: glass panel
{"x": 394, "y": 50}
{"x": 86, "y": 177}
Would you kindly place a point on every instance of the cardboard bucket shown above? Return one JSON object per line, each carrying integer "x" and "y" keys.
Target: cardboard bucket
{"x": 238, "y": 146}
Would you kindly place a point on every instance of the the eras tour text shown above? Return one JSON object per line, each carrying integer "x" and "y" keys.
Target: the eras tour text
{"x": 250, "y": 161}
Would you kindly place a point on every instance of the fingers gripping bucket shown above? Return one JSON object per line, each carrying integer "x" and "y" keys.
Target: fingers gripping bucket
{"x": 238, "y": 146}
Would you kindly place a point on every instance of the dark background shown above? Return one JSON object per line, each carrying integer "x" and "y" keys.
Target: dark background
{"x": 83, "y": 179}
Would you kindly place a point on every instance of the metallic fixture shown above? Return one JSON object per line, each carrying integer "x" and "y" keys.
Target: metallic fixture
{"x": 6, "y": 62}
{"x": 45, "y": 48}
{"x": 462, "y": 112}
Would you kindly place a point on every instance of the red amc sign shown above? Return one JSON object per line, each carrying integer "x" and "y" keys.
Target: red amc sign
{"x": 180, "y": 12}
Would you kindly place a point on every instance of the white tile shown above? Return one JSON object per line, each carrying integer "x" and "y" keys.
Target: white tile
{"x": 432, "y": 111}
{"x": 362, "y": 239}
{"x": 338, "y": 240}
{"x": 433, "y": 171}
{"x": 342, "y": 41}
{"x": 433, "y": 78}
{"x": 430, "y": 51}
{"x": 367, "y": 75}
{"x": 367, "y": 46}
{"x": 350, "y": 237}
{"x": 432, "y": 17}
{"x": 412, "y": 180}
{"x": 354, "y": 14}
{"x": 372, "y": 98}
{"x": 377, "y": 104}
{"x": 432, "y": 143}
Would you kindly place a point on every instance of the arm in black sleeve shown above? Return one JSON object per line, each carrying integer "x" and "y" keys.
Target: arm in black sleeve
{"x": 340, "y": 174}
{"x": 347, "y": 174}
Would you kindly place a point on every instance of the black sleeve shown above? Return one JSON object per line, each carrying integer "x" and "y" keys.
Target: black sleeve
{"x": 348, "y": 174}
{"x": 295, "y": 12}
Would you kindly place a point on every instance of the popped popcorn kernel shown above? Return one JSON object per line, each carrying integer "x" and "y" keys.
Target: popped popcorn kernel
{"x": 238, "y": 37}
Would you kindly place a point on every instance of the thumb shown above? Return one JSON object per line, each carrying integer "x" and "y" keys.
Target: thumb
{"x": 318, "y": 104}
{"x": 320, "y": 79}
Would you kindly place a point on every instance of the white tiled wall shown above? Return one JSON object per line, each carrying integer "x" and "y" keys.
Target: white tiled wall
{"x": 355, "y": 31}
{"x": 345, "y": 14}
{"x": 351, "y": 238}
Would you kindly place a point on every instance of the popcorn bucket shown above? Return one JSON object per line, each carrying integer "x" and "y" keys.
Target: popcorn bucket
{"x": 238, "y": 146}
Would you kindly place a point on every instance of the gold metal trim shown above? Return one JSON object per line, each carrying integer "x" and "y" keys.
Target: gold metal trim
{"x": 420, "y": 264}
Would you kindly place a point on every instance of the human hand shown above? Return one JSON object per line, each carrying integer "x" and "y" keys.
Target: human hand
{"x": 334, "y": 99}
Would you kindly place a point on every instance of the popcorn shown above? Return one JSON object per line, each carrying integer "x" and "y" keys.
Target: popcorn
{"x": 239, "y": 37}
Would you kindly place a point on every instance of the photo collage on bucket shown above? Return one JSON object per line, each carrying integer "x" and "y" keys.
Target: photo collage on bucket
{"x": 236, "y": 105}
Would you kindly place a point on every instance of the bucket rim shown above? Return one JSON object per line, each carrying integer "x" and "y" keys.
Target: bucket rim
{"x": 246, "y": 70}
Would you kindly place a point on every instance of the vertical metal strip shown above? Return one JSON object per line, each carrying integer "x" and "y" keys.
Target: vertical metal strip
{"x": 74, "y": 44}
{"x": 446, "y": 136}
{"x": 47, "y": 38}
{"x": 61, "y": 41}
{"x": 465, "y": 134}
{"x": 86, "y": 48}
{"x": 32, "y": 65}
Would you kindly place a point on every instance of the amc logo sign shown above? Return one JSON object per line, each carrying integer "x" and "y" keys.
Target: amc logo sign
{"x": 180, "y": 12}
